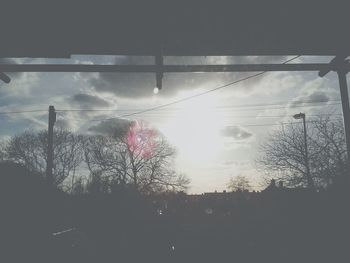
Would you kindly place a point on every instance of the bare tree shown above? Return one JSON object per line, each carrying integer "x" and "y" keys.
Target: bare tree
{"x": 141, "y": 157}
{"x": 105, "y": 155}
{"x": 282, "y": 155}
{"x": 329, "y": 161}
{"x": 78, "y": 186}
{"x": 3, "y": 155}
{"x": 239, "y": 183}
{"x": 30, "y": 150}
{"x": 98, "y": 184}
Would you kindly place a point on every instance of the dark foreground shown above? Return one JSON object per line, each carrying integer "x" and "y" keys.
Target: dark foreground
{"x": 39, "y": 224}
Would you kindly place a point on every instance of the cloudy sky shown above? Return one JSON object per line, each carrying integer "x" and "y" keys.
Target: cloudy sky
{"x": 216, "y": 135}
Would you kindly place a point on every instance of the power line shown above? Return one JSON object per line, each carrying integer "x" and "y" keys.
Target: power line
{"x": 255, "y": 109}
{"x": 214, "y": 107}
{"x": 268, "y": 124}
{"x": 199, "y": 94}
{"x": 164, "y": 105}
{"x": 239, "y": 124}
{"x": 228, "y": 115}
{"x": 174, "y": 113}
{"x": 295, "y": 104}
{"x": 174, "y": 110}
{"x": 248, "y": 116}
{"x": 147, "y": 112}
{"x": 272, "y": 124}
{"x": 23, "y": 111}
{"x": 292, "y": 107}
{"x": 249, "y": 109}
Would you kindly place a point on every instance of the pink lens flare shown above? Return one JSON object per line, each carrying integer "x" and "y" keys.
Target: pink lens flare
{"x": 141, "y": 139}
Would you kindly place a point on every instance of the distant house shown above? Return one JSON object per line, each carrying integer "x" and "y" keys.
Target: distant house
{"x": 272, "y": 187}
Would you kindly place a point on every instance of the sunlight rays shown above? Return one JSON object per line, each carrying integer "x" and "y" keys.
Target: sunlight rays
{"x": 195, "y": 130}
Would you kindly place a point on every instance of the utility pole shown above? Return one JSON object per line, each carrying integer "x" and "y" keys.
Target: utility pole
{"x": 49, "y": 161}
{"x": 308, "y": 174}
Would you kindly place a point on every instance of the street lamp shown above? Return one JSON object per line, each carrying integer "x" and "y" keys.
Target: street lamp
{"x": 309, "y": 179}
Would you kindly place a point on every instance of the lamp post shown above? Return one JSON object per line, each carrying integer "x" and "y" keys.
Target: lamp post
{"x": 309, "y": 179}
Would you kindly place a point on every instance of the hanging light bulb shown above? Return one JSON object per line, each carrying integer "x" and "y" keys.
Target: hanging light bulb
{"x": 156, "y": 90}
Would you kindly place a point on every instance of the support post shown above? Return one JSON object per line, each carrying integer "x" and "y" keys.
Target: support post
{"x": 341, "y": 65}
{"x": 49, "y": 161}
{"x": 159, "y": 69}
{"x": 346, "y": 108}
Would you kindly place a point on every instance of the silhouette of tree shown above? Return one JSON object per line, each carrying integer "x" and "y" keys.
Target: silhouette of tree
{"x": 140, "y": 157}
{"x": 329, "y": 161}
{"x": 30, "y": 149}
{"x": 98, "y": 184}
{"x": 2, "y": 152}
{"x": 283, "y": 153}
{"x": 239, "y": 183}
{"x": 78, "y": 187}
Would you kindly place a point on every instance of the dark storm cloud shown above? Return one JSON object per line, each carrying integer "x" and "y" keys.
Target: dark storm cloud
{"x": 236, "y": 132}
{"x": 109, "y": 127}
{"x": 127, "y": 85}
{"x": 316, "y": 96}
{"x": 89, "y": 101}
{"x": 124, "y": 85}
{"x": 138, "y": 85}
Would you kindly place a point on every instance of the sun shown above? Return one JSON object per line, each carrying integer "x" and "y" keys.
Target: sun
{"x": 195, "y": 129}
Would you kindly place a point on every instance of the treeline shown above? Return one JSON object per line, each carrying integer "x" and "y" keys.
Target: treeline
{"x": 282, "y": 156}
{"x": 136, "y": 157}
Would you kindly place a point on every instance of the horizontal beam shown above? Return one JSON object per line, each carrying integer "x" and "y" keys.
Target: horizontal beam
{"x": 166, "y": 68}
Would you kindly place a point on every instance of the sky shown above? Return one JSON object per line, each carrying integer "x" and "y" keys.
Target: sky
{"x": 216, "y": 135}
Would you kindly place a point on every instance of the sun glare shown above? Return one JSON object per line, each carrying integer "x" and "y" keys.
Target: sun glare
{"x": 195, "y": 129}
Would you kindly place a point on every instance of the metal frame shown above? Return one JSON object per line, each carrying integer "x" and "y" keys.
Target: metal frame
{"x": 168, "y": 68}
{"x": 339, "y": 64}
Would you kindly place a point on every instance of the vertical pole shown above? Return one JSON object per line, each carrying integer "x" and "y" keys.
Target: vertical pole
{"x": 159, "y": 69}
{"x": 49, "y": 161}
{"x": 346, "y": 109}
{"x": 309, "y": 179}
